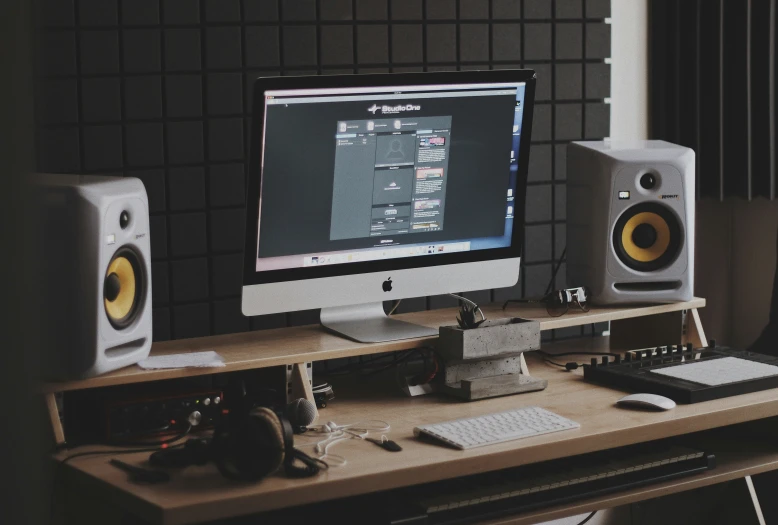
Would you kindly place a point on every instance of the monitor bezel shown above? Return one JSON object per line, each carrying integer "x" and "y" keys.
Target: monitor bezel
{"x": 262, "y": 84}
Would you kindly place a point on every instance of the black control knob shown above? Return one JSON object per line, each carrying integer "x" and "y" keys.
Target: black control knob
{"x": 712, "y": 343}
{"x": 618, "y": 359}
{"x": 195, "y": 418}
{"x": 594, "y": 362}
{"x": 605, "y": 359}
{"x": 689, "y": 347}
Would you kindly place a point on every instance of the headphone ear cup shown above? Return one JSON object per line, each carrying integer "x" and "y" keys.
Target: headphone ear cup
{"x": 254, "y": 449}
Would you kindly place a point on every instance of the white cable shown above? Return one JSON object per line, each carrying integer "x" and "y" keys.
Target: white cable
{"x": 337, "y": 433}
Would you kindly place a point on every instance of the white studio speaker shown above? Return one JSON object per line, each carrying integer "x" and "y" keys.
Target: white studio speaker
{"x": 95, "y": 296}
{"x": 630, "y": 221}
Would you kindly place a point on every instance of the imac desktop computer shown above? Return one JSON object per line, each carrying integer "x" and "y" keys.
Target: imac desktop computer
{"x": 367, "y": 188}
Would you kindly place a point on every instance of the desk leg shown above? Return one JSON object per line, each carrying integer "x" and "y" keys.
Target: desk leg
{"x": 694, "y": 332}
{"x": 755, "y": 500}
{"x": 56, "y": 423}
{"x": 301, "y": 384}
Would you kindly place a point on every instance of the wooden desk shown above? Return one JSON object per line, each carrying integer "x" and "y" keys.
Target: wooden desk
{"x": 199, "y": 494}
{"x": 294, "y": 347}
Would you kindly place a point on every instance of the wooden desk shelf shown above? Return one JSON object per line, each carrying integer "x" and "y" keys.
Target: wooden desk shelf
{"x": 287, "y": 346}
{"x": 295, "y": 347}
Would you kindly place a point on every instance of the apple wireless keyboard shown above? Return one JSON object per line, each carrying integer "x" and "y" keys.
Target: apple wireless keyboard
{"x": 496, "y": 428}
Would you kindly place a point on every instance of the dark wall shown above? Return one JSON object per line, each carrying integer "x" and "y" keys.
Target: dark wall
{"x": 159, "y": 90}
{"x": 713, "y": 89}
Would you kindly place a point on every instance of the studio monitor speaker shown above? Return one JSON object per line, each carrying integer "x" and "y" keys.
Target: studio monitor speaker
{"x": 95, "y": 274}
{"x": 630, "y": 220}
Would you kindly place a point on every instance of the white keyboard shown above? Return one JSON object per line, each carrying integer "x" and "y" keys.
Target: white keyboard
{"x": 721, "y": 371}
{"x": 497, "y": 428}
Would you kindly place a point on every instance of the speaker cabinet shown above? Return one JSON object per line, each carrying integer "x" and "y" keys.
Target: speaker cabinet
{"x": 630, "y": 221}
{"x": 95, "y": 276}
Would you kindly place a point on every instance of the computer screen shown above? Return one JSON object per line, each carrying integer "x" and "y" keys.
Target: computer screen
{"x": 410, "y": 174}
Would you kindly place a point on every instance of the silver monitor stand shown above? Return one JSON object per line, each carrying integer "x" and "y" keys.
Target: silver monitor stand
{"x": 368, "y": 323}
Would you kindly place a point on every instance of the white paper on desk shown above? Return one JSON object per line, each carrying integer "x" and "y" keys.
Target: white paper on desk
{"x": 192, "y": 359}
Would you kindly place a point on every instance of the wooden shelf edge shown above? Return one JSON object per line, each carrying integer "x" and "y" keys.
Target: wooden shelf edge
{"x": 288, "y": 346}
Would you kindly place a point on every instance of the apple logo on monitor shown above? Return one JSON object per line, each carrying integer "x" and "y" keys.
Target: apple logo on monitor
{"x": 387, "y": 285}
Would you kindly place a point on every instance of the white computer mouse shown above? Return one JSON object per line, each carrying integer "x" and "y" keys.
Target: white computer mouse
{"x": 647, "y": 401}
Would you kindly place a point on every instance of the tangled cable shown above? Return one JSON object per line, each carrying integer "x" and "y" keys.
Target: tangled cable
{"x": 337, "y": 433}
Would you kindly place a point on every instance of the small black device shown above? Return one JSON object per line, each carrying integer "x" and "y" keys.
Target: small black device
{"x": 685, "y": 374}
{"x": 142, "y": 418}
{"x": 128, "y": 416}
{"x": 323, "y": 394}
{"x": 141, "y": 475}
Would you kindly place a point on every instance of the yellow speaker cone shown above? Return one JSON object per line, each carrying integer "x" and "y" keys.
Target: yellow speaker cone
{"x": 121, "y": 305}
{"x": 660, "y": 243}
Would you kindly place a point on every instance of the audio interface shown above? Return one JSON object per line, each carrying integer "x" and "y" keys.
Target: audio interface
{"x": 138, "y": 419}
{"x": 127, "y": 415}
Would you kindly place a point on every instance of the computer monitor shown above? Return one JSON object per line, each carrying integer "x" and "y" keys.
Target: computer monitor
{"x": 367, "y": 188}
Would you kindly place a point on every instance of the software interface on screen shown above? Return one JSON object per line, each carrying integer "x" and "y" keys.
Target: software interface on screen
{"x": 363, "y": 174}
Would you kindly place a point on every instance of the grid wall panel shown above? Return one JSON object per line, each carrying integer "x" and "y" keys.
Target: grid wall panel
{"x": 160, "y": 90}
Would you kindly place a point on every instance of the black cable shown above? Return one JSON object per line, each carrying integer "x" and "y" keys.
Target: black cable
{"x": 556, "y": 269}
{"x": 153, "y": 443}
{"x": 58, "y": 468}
{"x": 548, "y": 354}
{"x": 567, "y": 366}
{"x": 394, "y": 363}
{"x": 549, "y": 361}
{"x": 587, "y": 518}
{"x": 353, "y": 367}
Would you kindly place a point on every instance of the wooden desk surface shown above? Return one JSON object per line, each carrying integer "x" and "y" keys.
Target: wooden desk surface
{"x": 199, "y": 494}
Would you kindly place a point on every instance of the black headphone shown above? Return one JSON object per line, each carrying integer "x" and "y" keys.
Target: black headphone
{"x": 247, "y": 447}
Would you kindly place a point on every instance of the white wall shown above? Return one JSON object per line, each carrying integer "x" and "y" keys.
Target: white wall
{"x": 629, "y": 69}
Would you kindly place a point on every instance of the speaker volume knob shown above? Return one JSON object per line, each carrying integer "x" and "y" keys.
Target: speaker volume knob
{"x": 195, "y": 418}
{"x": 111, "y": 287}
